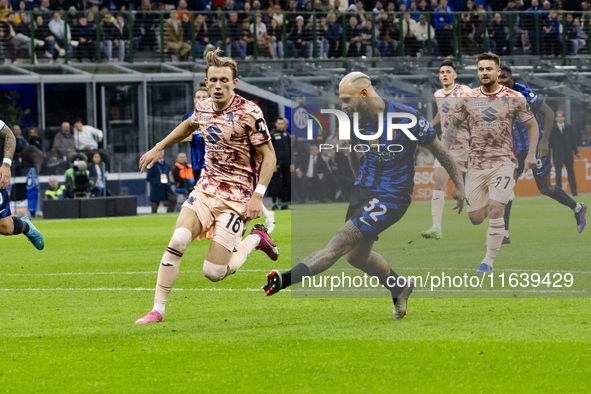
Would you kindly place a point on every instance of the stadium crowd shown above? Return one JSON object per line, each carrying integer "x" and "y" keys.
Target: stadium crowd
{"x": 115, "y": 30}
{"x": 72, "y": 152}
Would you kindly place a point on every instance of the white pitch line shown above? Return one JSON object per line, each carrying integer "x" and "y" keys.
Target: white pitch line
{"x": 112, "y": 273}
{"x": 297, "y": 291}
{"x": 267, "y": 270}
{"x": 85, "y": 273}
{"x": 119, "y": 289}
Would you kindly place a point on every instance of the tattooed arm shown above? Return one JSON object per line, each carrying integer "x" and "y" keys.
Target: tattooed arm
{"x": 9, "y": 147}
{"x": 444, "y": 157}
{"x": 451, "y": 132}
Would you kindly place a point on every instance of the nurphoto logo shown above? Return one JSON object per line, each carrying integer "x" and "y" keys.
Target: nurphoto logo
{"x": 395, "y": 122}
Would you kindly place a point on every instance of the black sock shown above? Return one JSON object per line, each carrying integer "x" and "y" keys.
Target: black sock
{"x": 392, "y": 284}
{"x": 20, "y": 227}
{"x": 563, "y": 198}
{"x": 294, "y": 275}
{"x": 507, "y": 213}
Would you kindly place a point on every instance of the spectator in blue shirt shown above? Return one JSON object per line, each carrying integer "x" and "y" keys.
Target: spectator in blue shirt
{"x": 443, "y": 18}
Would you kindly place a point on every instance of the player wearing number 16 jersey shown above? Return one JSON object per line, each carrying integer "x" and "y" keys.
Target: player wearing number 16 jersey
{"x": 382, "y": 192}
{"x": 229, "y": 193}
{"x": 491, "y": 110}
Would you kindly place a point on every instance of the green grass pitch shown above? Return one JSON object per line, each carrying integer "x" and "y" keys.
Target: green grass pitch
{"x": 67, "y": 313}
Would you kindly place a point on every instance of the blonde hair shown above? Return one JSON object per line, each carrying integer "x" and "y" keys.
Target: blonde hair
{"x": 354, "y": 78}
{"x": 213, "y": 60}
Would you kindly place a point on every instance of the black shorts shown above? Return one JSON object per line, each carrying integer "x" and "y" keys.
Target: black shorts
{"x": 374, "y": 212}
{"x": 542, "y": 169}
{"x": 4, "y": 204}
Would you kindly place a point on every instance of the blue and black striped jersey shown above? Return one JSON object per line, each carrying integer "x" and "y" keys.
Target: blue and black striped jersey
{"x": 390, "y": 172}
{"x": 197, "y": 147}
{"x": 1, "y": 143}
{"x": 520, "y": 138}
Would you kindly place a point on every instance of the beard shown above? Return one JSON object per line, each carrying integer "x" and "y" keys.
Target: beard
{"x": 491, "y": 81}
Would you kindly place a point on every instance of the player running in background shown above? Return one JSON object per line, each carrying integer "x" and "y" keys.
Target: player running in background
{"x": 12, "y": 225}
{"x": 237, "y": 139}
{"x": 446, "y": 99}
{"x": 381, "y": 195}
{"x": 196, "y": 140}
{"x": 197, "y": 143}
{"x": 543, "y": 166}
{"x": 491, "y": 110}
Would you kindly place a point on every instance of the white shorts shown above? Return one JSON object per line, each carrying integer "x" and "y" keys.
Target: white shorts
{"x": 496, "y": 184}
{"x": 225, "y": 215}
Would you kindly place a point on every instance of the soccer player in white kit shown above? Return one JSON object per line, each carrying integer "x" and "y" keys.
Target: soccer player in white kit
{"x": 230, "y": 191}
{"x": 491, "y": 110}
{"x": 447, "y": 98}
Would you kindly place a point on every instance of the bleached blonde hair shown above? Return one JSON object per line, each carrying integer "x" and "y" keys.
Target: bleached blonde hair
{"x": 354, "y": 77}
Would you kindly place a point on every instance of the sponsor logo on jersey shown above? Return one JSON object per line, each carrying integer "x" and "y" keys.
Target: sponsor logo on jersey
{"x": 213, "y": 134}
{"x": 478, "y": 103}
{"x": 204, "y": 118}
{"x": 490, "y": 114}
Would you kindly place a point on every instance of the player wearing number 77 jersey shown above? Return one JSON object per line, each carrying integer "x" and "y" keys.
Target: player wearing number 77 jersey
{"x": 236, "y": 140}
{"x": 491, "y": 110}
{"x": 382, "y": 192}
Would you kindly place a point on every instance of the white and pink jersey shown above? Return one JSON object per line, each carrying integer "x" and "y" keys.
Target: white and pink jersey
{"x": 446, "y": 102}
{"x": 231, "y": 161}
{"x": 491, "y": 117}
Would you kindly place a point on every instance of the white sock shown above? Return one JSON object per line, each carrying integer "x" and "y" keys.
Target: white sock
{"x": 241, "y": 253}
{"x": 437, "y": 203}
{"x": 255, "y": 239}
{"x": 494, "y": 238}
{"x": 507, "y": 233}
{"x": 488, "y": 261}
{"x": 158, "y": 307}
{"x": 578, "y": 208}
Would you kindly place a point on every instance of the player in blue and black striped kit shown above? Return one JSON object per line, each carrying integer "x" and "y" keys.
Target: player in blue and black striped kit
{"x": 196, "y": 140}
{"x": 543, "y": 167}
{"x": 12, "y": 225}
{"x": 382, "y": 193}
